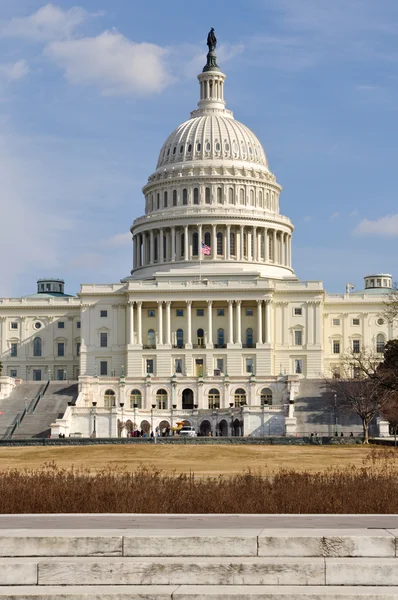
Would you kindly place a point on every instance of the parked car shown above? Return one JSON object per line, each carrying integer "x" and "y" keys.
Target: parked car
{"x": 187, "y": 431}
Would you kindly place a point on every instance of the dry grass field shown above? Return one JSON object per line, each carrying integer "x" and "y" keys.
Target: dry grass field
{"x": 202, "y": 460}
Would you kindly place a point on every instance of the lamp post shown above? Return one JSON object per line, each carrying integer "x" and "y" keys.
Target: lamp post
{"x": 154, "y": 432}
{"x": 121, "y": 404}
{"x": 135, "y": 406}
{"x": 231, "y": 404}
{"x": 94, "y": 420}
{"x": 335, "y": 413}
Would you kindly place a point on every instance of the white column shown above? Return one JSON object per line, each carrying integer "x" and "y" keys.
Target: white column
{"x": 199, "y": 242}
{"x": 214, "y": 242}
{"x": 186, "y": 242}
{"x": 209, "y": 324}
{"x": 275, "y": 249}
{"x": 160, "y": 248}
{"x": 318, "y": 323}
{"x": 144, "y": 249}
{"x": 242, "y": 245}
{"x": 135, "y": 253}
{"x": 238, "y": 322}
{"x": 310, "y": 324}
{"x": 266, "y": 245}
{"x": 231, "y": 322}
{"x": 189, "y": 324}
{"x": 139, "y": 323}
{"x": 151, "y": 253}
{"x": 168, "y": 323}
{"x": 130, "y": 313}
{"x": 173, "y": 244}
{"x": 160, "y": 323}
{"x": 290, "y": 250}
{"x": 259, "y": 322}
{"x": 267, "y": 321}
{"x": 249, "y": 244}
{"x": 255, "y": 244}
{"x": 227, "y": 243}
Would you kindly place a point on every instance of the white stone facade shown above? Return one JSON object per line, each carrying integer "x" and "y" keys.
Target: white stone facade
{"x": 222, "y": 337}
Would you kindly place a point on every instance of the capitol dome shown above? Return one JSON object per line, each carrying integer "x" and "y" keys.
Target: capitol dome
{"x": 212, "y": 191}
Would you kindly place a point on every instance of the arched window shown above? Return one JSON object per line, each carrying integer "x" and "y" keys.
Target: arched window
{"x": 214, "y": 398}
{"x": 220, "y": 243}
{"x": 180, "y": 338}
{"x": 135, "y": 398}
{"x": 37, "y": 346}
{"x": 251, "y": 197}
{"x": 195, "y": 243}
{"x": 165, "y": 200}
{"x": 232, "y": 249}
{"x": 151, "y": 338}
{"x": 161, "y": 399}
{"x": 164, "y": 247}
{"x": 380, "y": 343}
{"x": 266, "y": 396}
{"x": 182, "y": 245}
{"x": 239, "y": 397}
{"x": 200, "y": 335}
{"x": 249, "y": 337}
{"x": 242, "y": 196}
{"x": 262, "y": 246}
{"x": 245, "y": 255}
{"x": 185, "y": 196}
{"x": 174, "y": 197}
{"x": 207, "y": 239}
{"x": 109, "y": 399}
{"x": 260, "y": 199}
{"x": 220, "y": 337}
{"x": 196, "y": 195}
{"x": 207, "y": 195}
{"x": 231, "y": 195}
{"x": 219, "y": 195}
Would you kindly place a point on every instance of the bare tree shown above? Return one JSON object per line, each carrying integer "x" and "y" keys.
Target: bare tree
{"x": 390, "y": 311}
{"x": 356, "y": 392}
{"x": 390, "y": 413}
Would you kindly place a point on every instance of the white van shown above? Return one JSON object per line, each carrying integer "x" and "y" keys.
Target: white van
{"x": 187, "y": 431}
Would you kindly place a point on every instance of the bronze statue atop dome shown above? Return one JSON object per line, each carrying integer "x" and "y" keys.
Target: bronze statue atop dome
{"x": 211, "y": 40}
{"x": 211, "y": 64}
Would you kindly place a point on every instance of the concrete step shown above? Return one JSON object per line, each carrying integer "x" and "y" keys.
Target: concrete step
{"x": 200, "y": 592}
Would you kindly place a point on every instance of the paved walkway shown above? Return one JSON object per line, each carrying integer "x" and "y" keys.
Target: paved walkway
{"x": 131, "y": 521}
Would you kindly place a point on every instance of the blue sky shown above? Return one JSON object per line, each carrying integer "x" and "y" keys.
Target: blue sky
{"x": 89, "y": 91}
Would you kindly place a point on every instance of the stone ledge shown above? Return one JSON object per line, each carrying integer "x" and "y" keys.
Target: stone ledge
{"x": 362, "y": 571}
{"x": 191, "y": 592}
{"x": 158, "y": 592}
{"x": 38, "y": 543}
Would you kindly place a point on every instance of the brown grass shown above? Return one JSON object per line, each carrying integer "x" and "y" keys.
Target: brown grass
{"x": 203, "y": 460}
{"x": 369, "y": 488}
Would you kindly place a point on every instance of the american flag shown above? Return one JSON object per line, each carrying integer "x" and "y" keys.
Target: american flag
{"x": 206, "y": 250}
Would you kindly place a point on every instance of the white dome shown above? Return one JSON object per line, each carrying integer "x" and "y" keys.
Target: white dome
{"x": 212, "y": 137}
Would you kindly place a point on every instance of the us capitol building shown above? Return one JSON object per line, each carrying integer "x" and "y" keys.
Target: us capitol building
{"x": 212, "y": 326}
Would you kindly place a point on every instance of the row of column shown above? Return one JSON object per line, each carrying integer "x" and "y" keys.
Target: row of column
{"x": 254, "y": 244}
{"x": 234, "y": 323}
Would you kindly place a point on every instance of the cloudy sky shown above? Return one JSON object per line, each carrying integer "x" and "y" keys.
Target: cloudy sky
{"x": 89, "y": 91}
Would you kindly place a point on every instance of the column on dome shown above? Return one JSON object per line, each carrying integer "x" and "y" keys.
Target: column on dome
{"x": 144, "y": 249}
{"x": 290, "y": 250}
{"x": 274, "y": 248}
{"x": 255, "y": 245}
{"x": 266, "y": 245}
{"x": 151, "y": 248}
{"x": 242, "y": 242}
{"x": 160, "y": 245}
{"x": 209, "y": 324}
{"x": 173, "y": 243}
{"x": 186, "y": 232}
{"x": 249, "y": 243}
{"x": 200, "y": 242}
{"x": 214, "y": 241}
{"x": 228, "y": 243}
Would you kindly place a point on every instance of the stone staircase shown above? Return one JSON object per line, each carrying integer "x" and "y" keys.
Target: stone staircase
{"x": 15, "y": 404}
{"x": 262, "y": 564}
{"x": 50, "y": 407}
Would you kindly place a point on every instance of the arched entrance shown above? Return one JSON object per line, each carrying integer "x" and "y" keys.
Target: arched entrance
{"x": 145, "y": 427}
{"x": 187, "y": 423}
{"x": 205, "y": 428}
{"x": 187, "y": 399}
{"x": 164, "y": 427}
{"x": 237, "y": 428}
{"x": 223, "y": 428}
{"x": 130, "y": 426}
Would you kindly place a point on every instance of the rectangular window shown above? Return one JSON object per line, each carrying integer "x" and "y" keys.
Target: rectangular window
{"x": 13, "y": 373}
{"x": 61, "y": 325}
{"x": 199, "y": 367}
{"x": 249, "y": 365}
{"x": 355, "y": 321}
{"x": 298, "y": 337}
{"x": 298, "y": 312}
{"x": 220, "y": 312}
{"x": 200, "y": 312}
{"x": 298, "y": 366}
{"x": 36, "y": 374}
{"x": 60, "y": 374}
{"x": 150, "y": 366}
{"x": 249, "y": 312}
{"x": 220, "y": 364}
{"x": 356, "y": 372}
{"x": 104, "y": 367}
{"x": 14, "y": 325}
{"x": 61, "y": 348}
{"x": 103, "y": 339}
{"x": 103, "y": 313}
{"x": 151, "y": 312}
{"x": 336, "y": 321}
{"x": 78, "y": 348}
{"x": 178, "y": 365}
{"x": 179, "y": 312}
{"x": 336, "y": 347}
{"x": 78, "y": 324}
{"x": 14, "y": 349}
{"x": 356, "y": 346}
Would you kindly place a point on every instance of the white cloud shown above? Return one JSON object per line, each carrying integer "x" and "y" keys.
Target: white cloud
{"x": 50, "y": 22}
{"x": 16, "y": 70}
{"x": 113, "y": 63}
{"x": 386, "y": 226}
{"x": 334, "y": 215}
{"x": 119, "y": 239}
